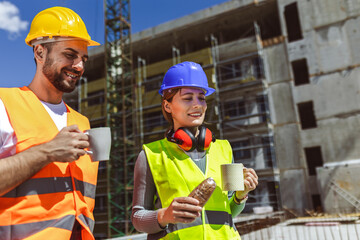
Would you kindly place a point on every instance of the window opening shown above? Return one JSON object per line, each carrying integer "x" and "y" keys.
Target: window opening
{"x": 292, "y": 20}
{"x": 307, "y": 116}
{"x": 301, "y": 72}
{"x": 313, "y": 158}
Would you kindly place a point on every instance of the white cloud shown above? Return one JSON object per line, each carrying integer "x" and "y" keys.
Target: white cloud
{"x": 10, "y": 20}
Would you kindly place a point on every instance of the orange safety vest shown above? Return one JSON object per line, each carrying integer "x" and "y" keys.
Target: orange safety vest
{"x": 46, "y": 205}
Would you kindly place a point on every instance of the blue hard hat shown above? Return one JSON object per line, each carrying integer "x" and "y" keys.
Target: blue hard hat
{"x": 186, "y": 74}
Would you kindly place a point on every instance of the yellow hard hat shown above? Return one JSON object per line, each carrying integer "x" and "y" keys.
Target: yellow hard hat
{"x": 58, "y": 22}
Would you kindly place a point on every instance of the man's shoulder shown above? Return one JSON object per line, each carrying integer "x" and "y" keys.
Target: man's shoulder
{"x": 77, "y": 117}
{"x": 70, "y": 109}
{"x": 9, "y": 94}
{"x": 8, "y": 91}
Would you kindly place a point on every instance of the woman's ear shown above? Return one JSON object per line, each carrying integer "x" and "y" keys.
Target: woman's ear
{"x": 167, "y": 106}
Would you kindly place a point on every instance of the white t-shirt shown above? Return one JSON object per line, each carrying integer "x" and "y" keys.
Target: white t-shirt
{"x": 8, "y": 139}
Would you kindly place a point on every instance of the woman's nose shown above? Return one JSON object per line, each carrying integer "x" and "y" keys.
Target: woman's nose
{"x": 196, "y": 103}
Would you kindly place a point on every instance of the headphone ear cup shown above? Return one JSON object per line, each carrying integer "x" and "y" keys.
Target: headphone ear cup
{"x": 188, "y": 140}
{"x": 204, "y": 139}
{"x": 170, "y": 138}
{"x": 201, "y": 139}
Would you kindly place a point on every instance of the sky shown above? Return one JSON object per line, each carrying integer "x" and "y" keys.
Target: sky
{"x": 17, "y": 66}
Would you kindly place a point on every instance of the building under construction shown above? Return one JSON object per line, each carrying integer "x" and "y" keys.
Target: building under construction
{"x": 286, "y": 75}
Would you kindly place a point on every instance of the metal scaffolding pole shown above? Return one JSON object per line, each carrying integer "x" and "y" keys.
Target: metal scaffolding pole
{"x": 141, "y": 78}
{"x": 215, "y": 59}
{"x": 120, "y": 116}
{"x": 175, "y": 55}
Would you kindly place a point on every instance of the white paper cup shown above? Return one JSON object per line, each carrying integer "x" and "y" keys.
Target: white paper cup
{"x": 100, "y": 143}
{"x": 232, "y": 177}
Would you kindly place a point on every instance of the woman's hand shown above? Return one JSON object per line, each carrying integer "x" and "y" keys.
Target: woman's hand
{"x": 250, "y": 182}
{"x": 181, "y": 210}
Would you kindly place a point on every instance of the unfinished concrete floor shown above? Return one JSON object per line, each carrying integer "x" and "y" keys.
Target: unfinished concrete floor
{"x": 341, "y": 228}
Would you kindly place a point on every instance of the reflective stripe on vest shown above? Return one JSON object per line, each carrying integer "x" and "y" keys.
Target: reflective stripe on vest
{"x": 176, "y": 175}
{"x": 211, "y": 217}
{"x": 87, "y": 221}
{"x": 86, "y": 189}
{"x": 57, "y": 190}
{"x": 21, "y": 231}
{"x": 36, "y": 186}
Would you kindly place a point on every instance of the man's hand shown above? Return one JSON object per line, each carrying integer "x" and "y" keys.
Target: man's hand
{"x": 67, "y": 146}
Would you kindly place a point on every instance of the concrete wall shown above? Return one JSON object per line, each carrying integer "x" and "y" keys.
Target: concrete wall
{"x": 337, "y": 108}
{"x": 330, "y": 48}
{"x": 319, "y": 13}
{"x": 332, "y": 58}
{"x": 338, "y": 139}
{"x": 331, "y": 32}
{"x": 294, "y": 189}
{"x": 345, "y": 176}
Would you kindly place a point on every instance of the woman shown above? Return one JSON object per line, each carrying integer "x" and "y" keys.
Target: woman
{"x": 167, "y": 170}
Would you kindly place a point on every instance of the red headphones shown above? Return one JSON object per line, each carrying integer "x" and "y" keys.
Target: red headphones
{"x": 188, "y": 142}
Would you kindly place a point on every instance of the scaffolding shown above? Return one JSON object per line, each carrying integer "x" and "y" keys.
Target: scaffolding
{"x": 120, "y": 116}
{"x": 239, "y": 59}
{"x": 238, "y": 111}
{"x": 242, "y": 115}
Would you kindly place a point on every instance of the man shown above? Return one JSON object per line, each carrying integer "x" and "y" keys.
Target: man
{"x": 47, "y": 182}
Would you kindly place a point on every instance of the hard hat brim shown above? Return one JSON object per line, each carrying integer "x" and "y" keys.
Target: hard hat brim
{"x": 92, "y": 43}
{"x": 208, "y": 90}
{"x": 34, "y": 42}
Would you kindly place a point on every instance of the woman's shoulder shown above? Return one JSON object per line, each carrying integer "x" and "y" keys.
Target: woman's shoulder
{"x": 154, "y": 143}
{"x": 221, "y": 143}
{"x": 155, "y": 146}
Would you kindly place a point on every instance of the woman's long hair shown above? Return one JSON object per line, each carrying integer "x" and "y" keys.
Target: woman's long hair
{"x": 168, "y": 95}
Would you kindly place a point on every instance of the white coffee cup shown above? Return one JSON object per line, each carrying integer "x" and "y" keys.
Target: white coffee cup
{"x": 100, "y": 143}
{"x": 232, "y": 177}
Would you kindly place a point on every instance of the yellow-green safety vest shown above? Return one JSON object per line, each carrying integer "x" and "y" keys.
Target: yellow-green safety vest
{"x": 176, "y": 175}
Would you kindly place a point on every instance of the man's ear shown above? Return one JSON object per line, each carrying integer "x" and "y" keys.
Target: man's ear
{"x": 39, "y": 53}
{"x": 167, "y": 106}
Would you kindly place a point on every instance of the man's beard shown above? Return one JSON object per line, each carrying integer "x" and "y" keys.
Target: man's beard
{"x": 55, "y": 77}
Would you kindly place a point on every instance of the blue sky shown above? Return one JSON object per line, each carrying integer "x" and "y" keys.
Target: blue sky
{"x": 16, "y": 58}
